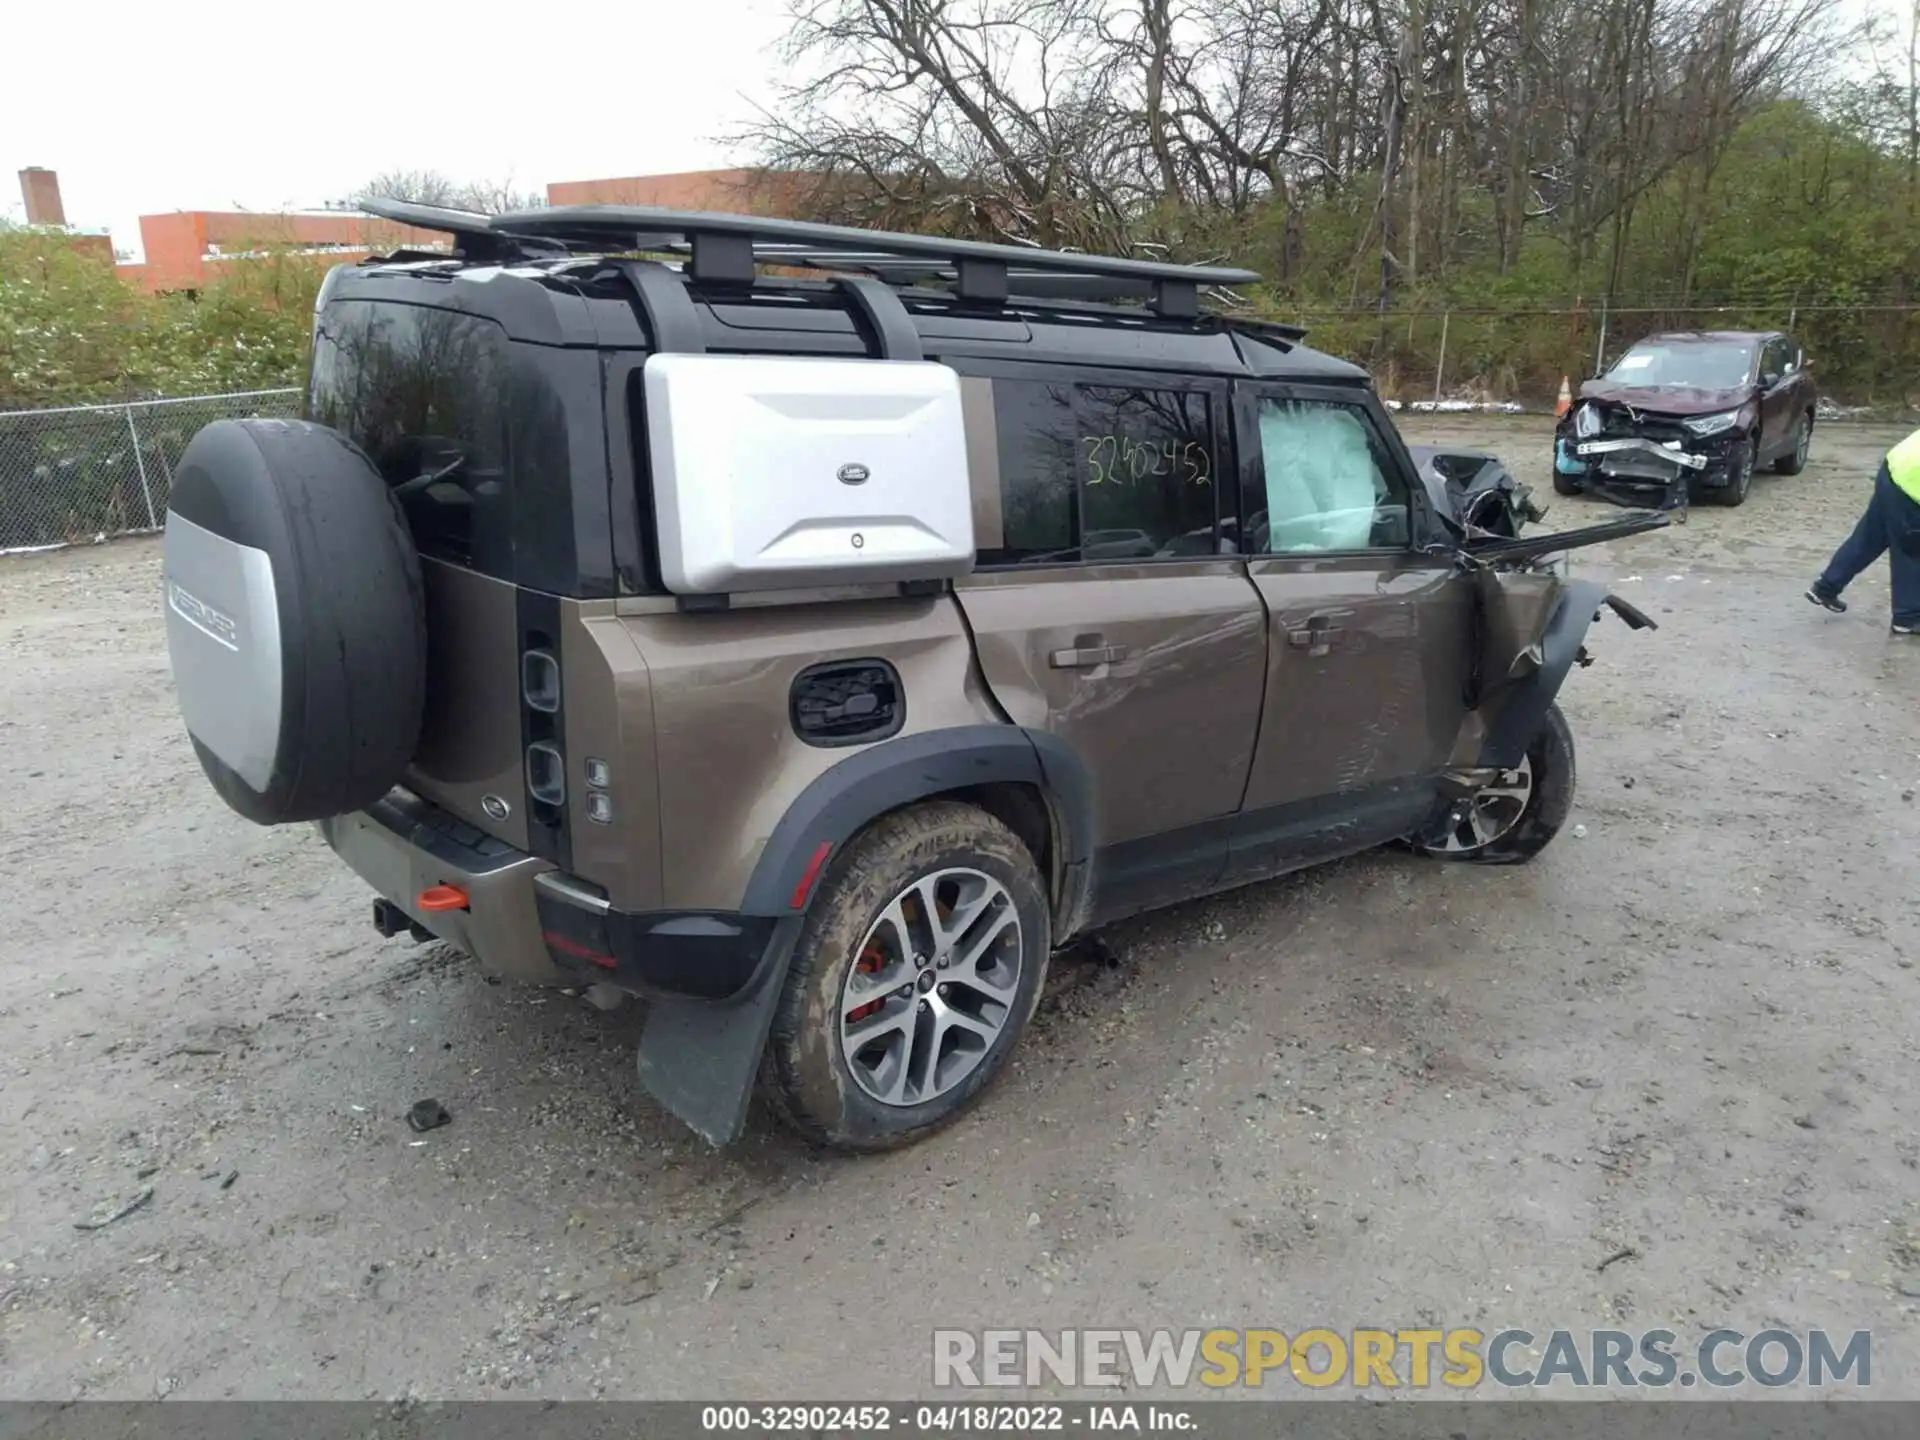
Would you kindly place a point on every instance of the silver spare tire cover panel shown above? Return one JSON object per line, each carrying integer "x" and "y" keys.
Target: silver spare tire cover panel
{"x": 223, "y": 640}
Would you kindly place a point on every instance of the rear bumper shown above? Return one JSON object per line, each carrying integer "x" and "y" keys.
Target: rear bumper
{"x": 404, "y": 845}
{"x": 691, "y": 955}
{"x": 527, "y": 921}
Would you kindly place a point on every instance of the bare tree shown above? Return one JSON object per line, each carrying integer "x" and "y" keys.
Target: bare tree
{"x": 1448, "y": 130}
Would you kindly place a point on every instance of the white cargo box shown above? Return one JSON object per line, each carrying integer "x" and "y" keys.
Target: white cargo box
{"x": 783, "y": 472}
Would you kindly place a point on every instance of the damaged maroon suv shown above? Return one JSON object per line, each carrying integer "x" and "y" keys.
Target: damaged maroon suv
{"x": 1688, "y": 417}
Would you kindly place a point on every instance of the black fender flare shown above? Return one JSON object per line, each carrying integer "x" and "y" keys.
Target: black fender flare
{"x": 882, "y": 778}
{"x": 699, "y": 1058}
{"x": 1525, "y": 710}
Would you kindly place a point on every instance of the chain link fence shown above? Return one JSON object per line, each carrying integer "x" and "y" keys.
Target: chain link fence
{"x": 90, "y": 472}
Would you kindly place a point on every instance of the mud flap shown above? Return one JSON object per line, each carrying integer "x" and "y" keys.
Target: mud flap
{"x": 699, "y": 1058}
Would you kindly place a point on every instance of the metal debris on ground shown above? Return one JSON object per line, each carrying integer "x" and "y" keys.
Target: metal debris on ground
{"x": 100, "y": 1222}
{"x": 427, "y": 1115}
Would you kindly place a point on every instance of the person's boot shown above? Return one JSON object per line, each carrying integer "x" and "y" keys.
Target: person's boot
{"x": 1826, "y": 601}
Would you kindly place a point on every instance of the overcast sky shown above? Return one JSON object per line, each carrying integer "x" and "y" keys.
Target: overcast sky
{"x": 147, "y": 107}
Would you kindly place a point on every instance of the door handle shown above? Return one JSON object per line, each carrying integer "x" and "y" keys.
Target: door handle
{"x": 1087, "y": 657}
{"x": 1315, "y": 637}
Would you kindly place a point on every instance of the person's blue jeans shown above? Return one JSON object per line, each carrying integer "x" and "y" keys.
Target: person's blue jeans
{"x": 1890, "y": 527}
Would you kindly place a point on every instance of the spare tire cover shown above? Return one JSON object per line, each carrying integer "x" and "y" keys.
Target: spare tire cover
{"x": 296, "y": 624}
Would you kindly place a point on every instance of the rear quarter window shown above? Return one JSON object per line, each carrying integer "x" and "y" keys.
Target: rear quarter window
{"x": 421, "y": 391}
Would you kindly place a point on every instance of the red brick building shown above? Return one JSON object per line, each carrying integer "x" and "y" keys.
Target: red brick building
{"x": 40, "y": 195}
{"x": 188, "y": 248}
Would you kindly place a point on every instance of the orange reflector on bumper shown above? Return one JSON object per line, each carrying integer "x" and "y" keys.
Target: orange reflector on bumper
{"x": 436, "y": 898}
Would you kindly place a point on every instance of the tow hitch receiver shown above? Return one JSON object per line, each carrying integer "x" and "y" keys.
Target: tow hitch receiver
{"x": 390, "y": 920}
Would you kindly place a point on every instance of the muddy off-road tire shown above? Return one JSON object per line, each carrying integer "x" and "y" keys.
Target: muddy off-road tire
{"x": 1481, "y": 832}
{"x": 866, "y": 1052}
{"x": 296, "y": 625}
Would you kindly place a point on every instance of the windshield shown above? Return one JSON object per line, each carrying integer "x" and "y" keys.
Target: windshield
{"x": 1700, "y": 366}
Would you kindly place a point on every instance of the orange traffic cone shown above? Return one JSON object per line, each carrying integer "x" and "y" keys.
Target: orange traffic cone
{"x": 1565, "y": 402}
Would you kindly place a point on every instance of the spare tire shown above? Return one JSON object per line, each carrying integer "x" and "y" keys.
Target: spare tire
{"x": 296, "y": 624}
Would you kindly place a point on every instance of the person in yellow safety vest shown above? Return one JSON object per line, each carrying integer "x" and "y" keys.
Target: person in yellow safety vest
{"x": 1891, "y": 525}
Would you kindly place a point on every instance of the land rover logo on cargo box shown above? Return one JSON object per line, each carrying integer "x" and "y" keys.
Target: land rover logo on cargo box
{"x": 854, "y": 474}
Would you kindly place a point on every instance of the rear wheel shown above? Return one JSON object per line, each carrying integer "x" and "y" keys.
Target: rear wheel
{"x": 919, "y": 966}
{"x": 1795, "y": 460}
{"x": 1513, "y": 819}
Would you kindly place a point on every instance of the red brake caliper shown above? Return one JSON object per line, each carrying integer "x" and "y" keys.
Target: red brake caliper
{"x": 871, "y": 962}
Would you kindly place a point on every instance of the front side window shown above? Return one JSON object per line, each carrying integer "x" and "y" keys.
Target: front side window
{"x": 1329, "y": 484}
{"x": 1074, "y": 473}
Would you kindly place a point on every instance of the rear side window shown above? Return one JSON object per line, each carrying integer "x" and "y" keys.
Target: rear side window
{"x": 422, "y": 391}
{"x": 1066, "y": 473}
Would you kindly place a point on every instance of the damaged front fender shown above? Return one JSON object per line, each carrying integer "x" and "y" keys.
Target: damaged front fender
{"x": 1534, "y": 632}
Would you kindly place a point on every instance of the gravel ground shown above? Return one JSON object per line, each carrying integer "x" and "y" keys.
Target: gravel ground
{"x": 1386, "y": 1092}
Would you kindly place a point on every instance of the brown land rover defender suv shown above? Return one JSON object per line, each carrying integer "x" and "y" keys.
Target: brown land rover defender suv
{"x": 810, "y": 630}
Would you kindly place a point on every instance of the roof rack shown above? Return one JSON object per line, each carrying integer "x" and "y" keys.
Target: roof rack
{"x": 726, "y": 249}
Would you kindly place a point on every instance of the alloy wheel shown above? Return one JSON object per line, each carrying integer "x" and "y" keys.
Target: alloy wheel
{"x": 1490, "y": 813}
{"x": 932, "y": 988}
